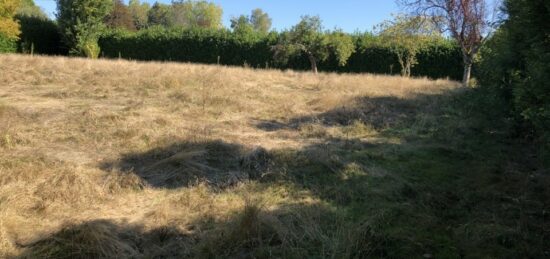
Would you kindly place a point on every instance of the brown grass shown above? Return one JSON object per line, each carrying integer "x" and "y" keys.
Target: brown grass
{"x": 92, "y": 165}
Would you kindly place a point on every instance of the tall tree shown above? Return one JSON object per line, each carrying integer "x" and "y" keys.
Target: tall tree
{"x": 308, "y": 38}
{"x": 138, "y": 11}
{"x": 465, "y": 20}
{"x": 201, "y": 14}
{"x": 9, "y": 28}
{"x": 260, "y": 20}
{"x": 28, "y": 8}
{"x": 120, "y": 17}
{"x": 81, "y": 22}
{"x": 159, "y": 14}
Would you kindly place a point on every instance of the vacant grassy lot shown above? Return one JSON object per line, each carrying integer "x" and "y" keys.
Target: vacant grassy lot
{"x": 147, "y": 160}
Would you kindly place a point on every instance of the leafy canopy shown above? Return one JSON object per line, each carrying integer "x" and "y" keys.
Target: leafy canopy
{"x": 9, "y": 28}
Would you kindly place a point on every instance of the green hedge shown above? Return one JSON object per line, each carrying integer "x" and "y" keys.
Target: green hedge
{"x": 41, "y": 33}
{"x": 439, "y": 60}
{"x": 7, "y": 45}
{"x": 196, "y": 45}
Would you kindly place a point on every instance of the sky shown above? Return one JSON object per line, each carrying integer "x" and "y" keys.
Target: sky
{"x": 348, "y": 15}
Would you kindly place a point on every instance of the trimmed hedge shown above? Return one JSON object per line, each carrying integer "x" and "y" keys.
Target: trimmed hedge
{"x": 7, "y": 45}
{"x": 41, "y": 33}
{"x": 439, "y": 60}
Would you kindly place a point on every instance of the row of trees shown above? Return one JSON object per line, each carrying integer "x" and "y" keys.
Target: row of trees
{"x": 82, "y": 22}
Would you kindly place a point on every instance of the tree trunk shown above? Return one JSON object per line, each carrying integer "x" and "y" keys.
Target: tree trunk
{"x": 467, "y": 73}
{"x": 313, "y": 62}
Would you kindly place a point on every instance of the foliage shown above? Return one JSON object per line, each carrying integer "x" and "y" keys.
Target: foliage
{"x": 29, "y": 9}
{"x": 7, "y": 45}
{"x": 120, "y": 17}
{"x": 41, "y": 34}
{"x": 9, "y": 28}
{"x": 406, "y": 36}
{"x": 515, "y": 66}
{"x": 81, "y": 22}
{"x": 307, "y": 37}
{"x": 241, "y": 24}
{"x": 159, "y": 15}
{"x": 466, "y": 21}
{"x": 438, "y": 59}
{"x": 201, "y": 14}
{"x": 189, "y": 45}
{"x": 260, "y": 20}
{"x": 139, "y": 11}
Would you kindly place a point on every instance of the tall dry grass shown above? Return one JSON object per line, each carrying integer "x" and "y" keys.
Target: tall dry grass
{"x": 130, "y": 159}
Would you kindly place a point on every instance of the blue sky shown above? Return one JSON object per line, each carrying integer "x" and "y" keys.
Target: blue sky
{"x": 349, "y": 15}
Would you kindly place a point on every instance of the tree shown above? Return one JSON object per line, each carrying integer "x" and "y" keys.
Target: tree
{"x": 139, "y": 11}
{"x": 308, "y": 38}
{"x": 28, "y": 8}
{"x": 406, "y": 36}
{"x": 241, "y": 24}
{"x": 39, "y": 34}
{"x": 159, "y": 15}
{"x": 120, "y": 17}
{"x": 9, "y": 28}
{"x": 201, "y": 14}
{"x": 465, "y": 20}
{"x": 257, "y": 21}
{"x": 260, "y": 20}
{"x": 81, "y": 22}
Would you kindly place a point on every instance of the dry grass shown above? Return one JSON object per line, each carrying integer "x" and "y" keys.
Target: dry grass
{"x": 130, "y": 159}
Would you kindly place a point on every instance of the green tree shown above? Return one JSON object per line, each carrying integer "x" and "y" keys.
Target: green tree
{"x": 159, "y": 14}
{"x": 308, "y": 38}
{"x": 139, "y": 11}
{"x": 260, "y": 20}
{"x": 120, "y": 17}
{"x": 406, "y": 36}
{"x": 201, "y": 14}
{"x": 81, "y": 22}
{"x": 241, "y": 24}
{"x": 9, "y": 27}
{"x": 29, "y": 9}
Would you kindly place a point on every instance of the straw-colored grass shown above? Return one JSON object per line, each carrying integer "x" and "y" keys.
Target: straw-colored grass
{"x": 105, "y": 159}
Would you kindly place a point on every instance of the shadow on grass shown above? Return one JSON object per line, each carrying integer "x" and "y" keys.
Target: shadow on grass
{"x": 186, "y": 163}
{"x": 445, "y": 185}
{"x": 378, "y": 112}
{"x": 295, "y": 231}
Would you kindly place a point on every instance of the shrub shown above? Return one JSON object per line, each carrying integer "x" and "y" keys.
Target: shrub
{"x": 7, "y": 45}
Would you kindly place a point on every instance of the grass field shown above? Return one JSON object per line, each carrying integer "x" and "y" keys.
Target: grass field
{"x": 120, "y": 159}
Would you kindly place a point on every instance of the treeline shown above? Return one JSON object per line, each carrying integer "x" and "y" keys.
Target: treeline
{"x": 441, "y": 58}
{"x": 191, "y": 31}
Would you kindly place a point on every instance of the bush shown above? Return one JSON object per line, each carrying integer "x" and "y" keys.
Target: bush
{"x": 7, "y": 45}
{"x": 439, "y": 60}
{"x": 515, "y": 67}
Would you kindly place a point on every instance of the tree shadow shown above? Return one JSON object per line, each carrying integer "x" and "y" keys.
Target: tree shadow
{"x": 378, "y": 112}
{"x": 426, "y": 188}
{"x": 291, "y": 231}
{"x": 185, "y": 163}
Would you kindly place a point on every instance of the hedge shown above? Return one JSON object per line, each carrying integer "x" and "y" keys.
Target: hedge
{"x": 439, "y": 60}
{"x": 41, "y": 33}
